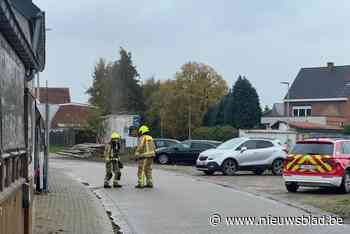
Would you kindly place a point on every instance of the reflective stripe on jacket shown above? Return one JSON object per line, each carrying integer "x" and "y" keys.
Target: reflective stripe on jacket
{"x": 146, "y": 147}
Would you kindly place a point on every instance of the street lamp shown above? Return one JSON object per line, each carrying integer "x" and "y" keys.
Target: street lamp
{"x": 288, "y": 96}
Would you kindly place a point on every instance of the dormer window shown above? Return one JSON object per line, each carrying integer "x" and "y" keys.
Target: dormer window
{"x": 302, "y": 111}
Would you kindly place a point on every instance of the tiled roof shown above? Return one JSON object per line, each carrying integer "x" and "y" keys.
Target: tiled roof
{"x": 276, "y": 111}
{"x": 71, "y": 115}
{"x": 321, "y": 83}
{"x": 55, "y": 95}
{"x": 312, "y": 126}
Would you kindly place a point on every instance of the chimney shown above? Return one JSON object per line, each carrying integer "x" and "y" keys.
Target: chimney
{"x": 330, "y": 66}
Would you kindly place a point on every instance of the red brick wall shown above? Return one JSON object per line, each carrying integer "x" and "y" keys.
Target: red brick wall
{"x": 337, "y": 111}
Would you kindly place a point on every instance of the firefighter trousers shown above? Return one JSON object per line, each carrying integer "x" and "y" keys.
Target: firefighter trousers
{"x": 145, "y": 171}
{"x": 112, "y": 166}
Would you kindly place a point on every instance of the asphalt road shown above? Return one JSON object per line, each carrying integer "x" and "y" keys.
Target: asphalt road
{"x": 183, "y": 204}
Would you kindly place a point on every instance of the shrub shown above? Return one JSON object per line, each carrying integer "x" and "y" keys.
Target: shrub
{"x": 346, "y": 130}
{"x": 218, "y": 133}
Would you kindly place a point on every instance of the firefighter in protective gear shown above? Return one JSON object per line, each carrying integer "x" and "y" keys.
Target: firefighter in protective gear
{"x": 112, "y": 159}
{"x": 145, "y": 154}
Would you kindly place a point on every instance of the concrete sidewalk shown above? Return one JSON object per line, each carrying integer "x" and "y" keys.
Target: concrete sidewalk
{"x": 69, "y": 207}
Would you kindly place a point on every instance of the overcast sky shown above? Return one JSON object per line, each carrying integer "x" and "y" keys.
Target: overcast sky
{"x": 267, "y": 41}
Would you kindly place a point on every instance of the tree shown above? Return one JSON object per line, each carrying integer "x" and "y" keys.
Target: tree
{"x": 346, "y": 129}
{"x": 100, "y": 90}
{"x": 126, "y": 89}
{"x": 96, "y": 124}
{"x": 210, "y": 117}
{"x": 223, "y": 133}
{"x": 266, "y": 109}
{"x": 152, "y": 109}
{"x": 245, "y": 105}
{"x": 197, "y": 87}
{"x": 220, "y": 116}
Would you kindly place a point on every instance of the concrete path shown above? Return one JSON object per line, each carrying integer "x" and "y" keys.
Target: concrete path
{"x": 183, "y": 204}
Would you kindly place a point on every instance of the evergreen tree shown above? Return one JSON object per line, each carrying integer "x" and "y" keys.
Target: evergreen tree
{"x": 220, "y": 117}
{"x": 152, "y": 113}
{"x": 266, "y": 109}
{"x": 100, "y": 90}
{"x": 245, "y": 105}
{"x": 127, "y": 93}
{"x": 209, "y": 119}
{"x": 228, "y": 109}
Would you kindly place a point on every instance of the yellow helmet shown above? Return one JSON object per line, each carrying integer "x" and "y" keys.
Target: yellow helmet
{"x": 143, "y": 129}
{"x": 115, "y": 135}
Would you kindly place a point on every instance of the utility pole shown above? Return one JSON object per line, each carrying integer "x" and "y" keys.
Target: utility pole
{"x": 190, "y": 110}
{"x": 47, "y": 143}
{"x": 288, "y": 98}
{"x": 38, "y": 86}
{"x": 161, "y": 124}
{"x": 288, "y": 111}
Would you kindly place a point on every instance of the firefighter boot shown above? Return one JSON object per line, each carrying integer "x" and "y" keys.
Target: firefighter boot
{"x": 117, "y": 185}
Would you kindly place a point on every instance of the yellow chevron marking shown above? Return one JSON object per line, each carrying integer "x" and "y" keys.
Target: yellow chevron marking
{"x": 326, "y": 165}
{"x": 320, "y": 169}
{"x": 296, "y": 158}
{"x": 304, "y": 158}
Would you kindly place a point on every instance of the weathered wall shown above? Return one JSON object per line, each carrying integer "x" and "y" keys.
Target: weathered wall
{"x": 14, "y": 219}
{"x": 12, "y": 97}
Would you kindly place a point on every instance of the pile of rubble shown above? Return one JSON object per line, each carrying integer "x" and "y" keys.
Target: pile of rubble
{"x": 87, "y": 150}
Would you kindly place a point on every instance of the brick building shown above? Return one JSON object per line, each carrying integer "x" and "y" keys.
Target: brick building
{"x": 319, "y": 95}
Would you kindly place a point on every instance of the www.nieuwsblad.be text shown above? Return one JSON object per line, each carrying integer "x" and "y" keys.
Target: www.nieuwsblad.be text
{"x": 304, "y": 220}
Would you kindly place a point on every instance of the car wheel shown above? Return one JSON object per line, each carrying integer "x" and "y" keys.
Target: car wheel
{"x": 345, "y": 185}
{"x": 292, "y": 188}
{"x": 277, "y": 167}
{"x": 258, "y": 171}
{"x": 163, "y": 159}
{"x": 229, "y": 167}
{"x": 209, "y": 172}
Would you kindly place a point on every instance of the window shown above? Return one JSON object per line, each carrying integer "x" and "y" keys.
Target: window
{"x": 201, "y": 146}
{"x": 263, "y": 144}
{"x": 185, "y": 144}
{"x": 249, "y": 144}
{"x": 295, "y": 112}
{"x": 170, "y": 143}
{"x": 308, "y": 112}
{"x": 302, "y": 111}
{"x": 345, "y": 148}
{"x": 196, "y": 145}
{"x": 160, "y": 144}
{"x": 313, "y": 148}
{"x": 208, "y": 146}
{"x": 231, "y": 144}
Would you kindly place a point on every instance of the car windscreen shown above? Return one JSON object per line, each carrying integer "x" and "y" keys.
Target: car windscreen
{"x": 231, "y": 144}
{"x": 183, "y": 145}
{"x": 314, "y": 148}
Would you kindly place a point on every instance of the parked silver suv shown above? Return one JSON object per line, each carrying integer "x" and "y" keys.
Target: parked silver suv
{"x": 244, "y": 154}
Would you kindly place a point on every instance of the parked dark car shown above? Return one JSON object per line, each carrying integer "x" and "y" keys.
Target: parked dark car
{"x": 185, "y": 152}
{"x": 164, "y": 142}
